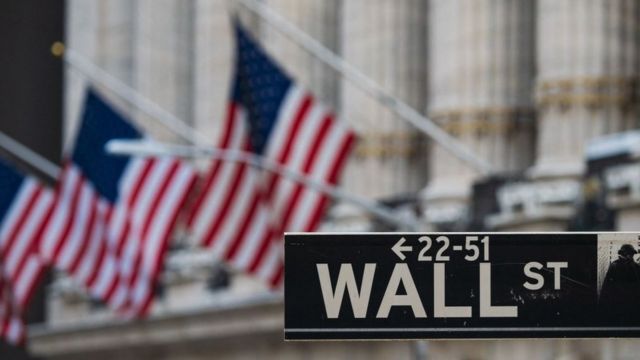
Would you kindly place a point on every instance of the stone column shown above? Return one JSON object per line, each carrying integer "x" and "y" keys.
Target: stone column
{"x": 387, "y": 41}
{"x": 480, "y": 79}
{"x": 587, "y": 86}
{"x": 164, "y": 50}
{"x": 587, "y": 61}
{"x": 212, "y": 66}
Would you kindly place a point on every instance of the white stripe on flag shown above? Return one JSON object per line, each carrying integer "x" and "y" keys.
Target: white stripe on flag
{"x": 320, "y": 172}
{"x": 121, "y": 213}
{"x": 25, "y": 234}
{"x": 111, "y": 267}
{"x": 130, "y": 176}
{"x": 60, "y": 216}
{"x": 160, "y": 227}
{"x": 96, "y": 241}
{"x": 301, "y": 150}
{"x": 15, "y": 331}
{"x": 153, "y": 180}
{"x": 271, "y": 262}
{"x": 105, "y": 278}
{"x": 119, "y": 297}
{"x": 219, "y": 188}
{"x": 211, "y": 205}
{"x": 73, "y": 243}
{"x": 240, "y": 206}
{"x": 25, "y": 282}
{"x": 139, "y": 213}
{"x": 258, "y": 228}
{"x": 288, "y": 110}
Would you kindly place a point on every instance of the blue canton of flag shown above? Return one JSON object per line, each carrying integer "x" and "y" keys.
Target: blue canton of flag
{"x": 101, "y": 123}
{"x": 241, "y": 212}
{"x": 114, "y": 214}
{"x": 260, "y": 87}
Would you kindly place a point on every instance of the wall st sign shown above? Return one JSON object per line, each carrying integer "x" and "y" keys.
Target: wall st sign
{"x": 461, "y": 285}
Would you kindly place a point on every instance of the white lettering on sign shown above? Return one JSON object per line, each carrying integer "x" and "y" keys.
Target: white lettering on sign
{"x": 539, "y": 279}
{"x": 401, "y": 275}
{"x": 398, "y": 248}
{"x": 557, "y": 266}
{"x": 346, "y": 279}
{"x": 486, "y": 308}
{"x": 440, "y": 309}
{"x": 411, "y": 298}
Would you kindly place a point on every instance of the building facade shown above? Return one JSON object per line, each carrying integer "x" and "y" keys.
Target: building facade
{"x": 526, "y": 85}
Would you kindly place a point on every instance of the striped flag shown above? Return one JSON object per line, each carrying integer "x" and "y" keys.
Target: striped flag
{"x": 24, "y": 206}
{"x": 241, "y": 212}
{"x": 113, "y": 215}
{"x": 12, "y": 325}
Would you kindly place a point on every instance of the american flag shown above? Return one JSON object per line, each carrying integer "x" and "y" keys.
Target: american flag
{"x": 11, "y": 317}
{"x": 113, "y": 215}
{"x": 24, "y": 206}
{"x": 242, "y": 212}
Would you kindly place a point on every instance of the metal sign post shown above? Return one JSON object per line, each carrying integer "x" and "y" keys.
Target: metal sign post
{"x": 461, "y": 285}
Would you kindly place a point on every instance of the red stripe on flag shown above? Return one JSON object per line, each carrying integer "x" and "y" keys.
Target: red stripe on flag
{"x": 238, "y": 172}
{"x": 277, "y": 277}
{"x": 75, "y": 198}
{"x": 13, "y": 235}
{"x": 293, "y": 200}
{"x": 342, "y": 157}
{"x": 100, "y": 259}
{"x": 127, "y": 280}
{"x": 86, "y": 236}
{"x": 168, "y": 177}
{"x": 139, "y": 182}
{"x": 261, "y": 251}
{"x": 231, "y": 194}
{"x": 337, "y": 167}
{"x": 207, "y": 186}
{"x": 165, "y": 244}
{"x": 130, "y": 203}
{"x": 102, "y": 251}
{"x": 35, "y": 282}
{"x": 298, "y": 121}
{"x": 30, "y": 253}
{"x": 301, "y": 115}
{"x": 113, "y": 285}
{"x": 144, "y": 239}
{"x": 35, "y": 247}
{"x": 246, "y": 223}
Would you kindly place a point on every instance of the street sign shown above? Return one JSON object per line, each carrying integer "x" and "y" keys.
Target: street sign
{"x": 461, "y": 285}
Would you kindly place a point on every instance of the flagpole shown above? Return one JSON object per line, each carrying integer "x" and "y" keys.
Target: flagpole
{"x": 29, "y": 156}
{"x": 366, "y": 84}
{"x": 153, "y": 148}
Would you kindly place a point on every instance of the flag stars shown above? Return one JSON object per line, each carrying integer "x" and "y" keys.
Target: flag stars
{"x": 260, "y": 86}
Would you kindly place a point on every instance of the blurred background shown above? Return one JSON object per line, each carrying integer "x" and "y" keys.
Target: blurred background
{"x": 546, "y": 91}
